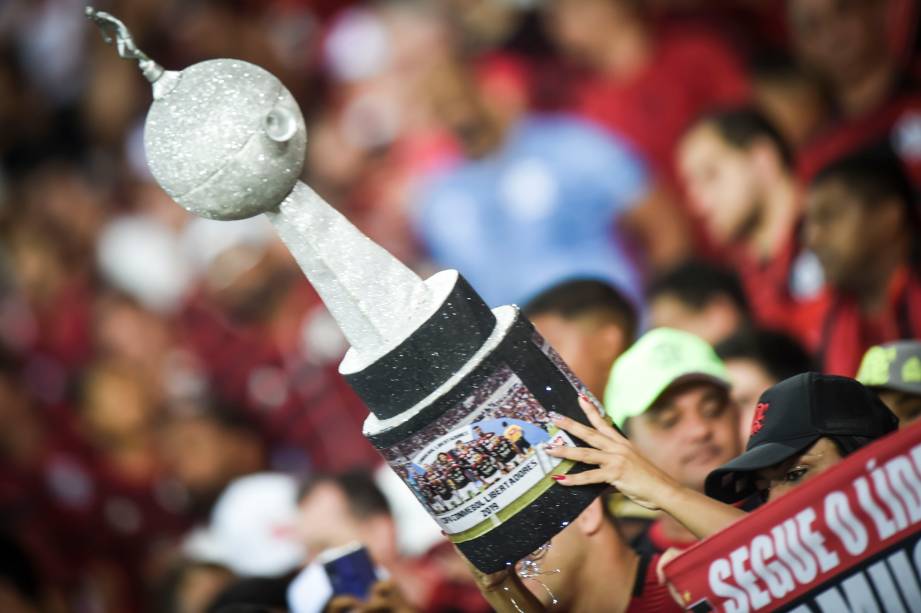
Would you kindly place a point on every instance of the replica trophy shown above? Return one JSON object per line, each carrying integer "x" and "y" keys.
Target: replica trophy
{"x": 459, "y": 394}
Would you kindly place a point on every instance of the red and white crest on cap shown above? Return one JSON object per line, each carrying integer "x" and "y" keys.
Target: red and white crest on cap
{"x": 760, "y": 410}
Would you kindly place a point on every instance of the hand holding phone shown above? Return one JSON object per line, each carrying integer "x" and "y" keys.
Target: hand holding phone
{"x": 349, "y": 569}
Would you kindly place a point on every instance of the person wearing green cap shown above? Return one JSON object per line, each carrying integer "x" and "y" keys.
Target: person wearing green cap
{"x": 893, "y": 371}
{"x": 670, "y": 394}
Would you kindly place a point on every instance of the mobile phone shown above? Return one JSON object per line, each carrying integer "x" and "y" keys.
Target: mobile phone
{"x": 349, "y": 569}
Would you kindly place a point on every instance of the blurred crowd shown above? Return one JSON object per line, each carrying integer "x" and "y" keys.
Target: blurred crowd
{"x": 744, "y": 170}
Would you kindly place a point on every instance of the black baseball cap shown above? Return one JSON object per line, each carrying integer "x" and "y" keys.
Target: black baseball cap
{"x": 790, "y": 417}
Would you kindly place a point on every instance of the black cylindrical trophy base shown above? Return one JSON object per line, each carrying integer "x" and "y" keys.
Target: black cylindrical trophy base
{"x": 528, "y": 530}
{"x": 429, "y": 357}
{"x": 473, "y": 454}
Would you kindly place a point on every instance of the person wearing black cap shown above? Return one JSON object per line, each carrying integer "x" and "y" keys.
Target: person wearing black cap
{"x": 802, "y": 426}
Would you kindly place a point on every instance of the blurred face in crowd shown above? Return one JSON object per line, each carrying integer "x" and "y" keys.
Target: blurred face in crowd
{"x": 907, "y": 407}
{"x": 786, "y": 476}
{"x": 12, "y": 600}
{"x": 124, "y": 330}
{"x": 248, "y": 282}
{"x": 841, "y": 39}
{"x": 326, "y": 521}
{"x": 716, "y": 321}
{"x": 583, "y": 28}
{"x": 204, "y": 456}
{"x": 418, "y": 35}
{"x": 690, "y": 430}
{"x": 21, "y": 435}
{"x": 847, "y": 234}
{"x": 39, "y": 263}
{"x": 723, "y": 182}
{"x": 457, "y": 102}
{"x": 589, "y": 344}
{"x": 749, "y": 380}
{"x": 118, "y": 404}
{"x": 794, "y": 103}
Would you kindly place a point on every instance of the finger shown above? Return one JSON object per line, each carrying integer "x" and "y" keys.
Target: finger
{"x": 670, "y": 554}
{"x": 587, "y": 434}
{"x": 600, "y": 422}
{"x": 342, "y": 604}
{"x": 382, "y": 589}
{"x": 380, "y": 601}
{"x": 586, "y": 455}
{"x": 584, "y": 478}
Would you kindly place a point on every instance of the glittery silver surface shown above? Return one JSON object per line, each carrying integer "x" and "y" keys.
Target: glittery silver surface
{"x": 375, "y": 299}
{"x": 207, "y": 144}
{"x": 430, "y": 355}
{"x": 505, "y": 317}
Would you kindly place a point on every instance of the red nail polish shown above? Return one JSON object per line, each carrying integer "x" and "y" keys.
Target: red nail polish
{"x": 558, "y": 477}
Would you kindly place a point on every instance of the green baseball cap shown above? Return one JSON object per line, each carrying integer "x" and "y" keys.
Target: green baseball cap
{"x": 661, "y": 358}
{"x": 893, "y": 366}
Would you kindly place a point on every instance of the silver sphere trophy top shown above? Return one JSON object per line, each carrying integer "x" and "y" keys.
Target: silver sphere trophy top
{"x": 459, "y": 394}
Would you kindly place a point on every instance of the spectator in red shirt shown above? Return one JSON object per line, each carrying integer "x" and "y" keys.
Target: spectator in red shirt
{"x": 846, "y": 44}
{"x": 789, "y": 95}
{"x": 646, "y": 85}
{"x": 862, "y": 223}
{"x": 738, "y": 173}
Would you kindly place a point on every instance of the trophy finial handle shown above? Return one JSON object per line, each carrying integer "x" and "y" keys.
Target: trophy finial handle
{"x": 113, "y": 28}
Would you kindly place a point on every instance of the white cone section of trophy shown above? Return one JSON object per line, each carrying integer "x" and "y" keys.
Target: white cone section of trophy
{"x": 376, "y": 300}
{"x": 225, "y": 139}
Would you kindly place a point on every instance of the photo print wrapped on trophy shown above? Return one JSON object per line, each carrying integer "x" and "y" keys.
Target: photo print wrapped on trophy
{"x": 482, "y": 460}
{"x": 459, "y": 393}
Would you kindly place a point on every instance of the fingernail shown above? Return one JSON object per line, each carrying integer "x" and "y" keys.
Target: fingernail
{"x": 558, "y": 477}
{"x": 554, "y": 416}
{"x": 584, "y": 397}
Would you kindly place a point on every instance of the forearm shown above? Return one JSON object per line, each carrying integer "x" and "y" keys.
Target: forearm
{"x": 701, "y": 515}
{"x": 510, "y": 596}
{"x": 621, "y": 466}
